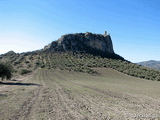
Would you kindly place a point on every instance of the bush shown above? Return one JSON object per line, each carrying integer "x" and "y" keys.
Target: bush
{"x": 24, "y": 71}
{"x": 158, "y": 78}
{"x": 26, "y": 62}
{"x": 6, "y": 71}
{"x": 42, "y": 66}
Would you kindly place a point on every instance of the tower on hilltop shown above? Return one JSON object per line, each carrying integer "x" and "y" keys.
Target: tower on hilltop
{"x": 105, "y": 32}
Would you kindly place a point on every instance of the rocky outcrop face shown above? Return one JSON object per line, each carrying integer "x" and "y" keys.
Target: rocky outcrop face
{"x": 96, "y": 44}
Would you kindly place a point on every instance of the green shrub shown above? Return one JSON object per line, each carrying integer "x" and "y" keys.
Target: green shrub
{"x": 158, "y": 78}
{"x": 6, "y": 70}
{"x": 25, "y": 71}
{"x": 26, "y": 62}
{"x": 42, "y": 66}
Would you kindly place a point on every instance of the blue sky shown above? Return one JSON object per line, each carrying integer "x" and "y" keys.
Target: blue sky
{"x": 134, "y": 25}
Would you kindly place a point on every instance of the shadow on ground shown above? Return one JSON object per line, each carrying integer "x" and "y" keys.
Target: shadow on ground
{"x": 10, "y": 83}
{"x": 3, "y": 95}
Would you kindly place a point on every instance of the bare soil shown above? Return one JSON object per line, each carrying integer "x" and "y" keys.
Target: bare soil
{"x": 63, "y": 95}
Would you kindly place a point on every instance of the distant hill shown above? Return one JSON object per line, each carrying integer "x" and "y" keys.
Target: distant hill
{"x": 151, "y": 64}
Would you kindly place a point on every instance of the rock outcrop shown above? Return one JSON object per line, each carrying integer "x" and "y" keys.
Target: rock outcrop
{"x": 96, "y": 44}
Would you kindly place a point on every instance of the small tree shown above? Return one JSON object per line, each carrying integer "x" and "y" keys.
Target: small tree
{"x": 6, "y": 71}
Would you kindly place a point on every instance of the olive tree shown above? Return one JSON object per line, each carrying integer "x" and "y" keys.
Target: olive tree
{"x": 6, "y": 71}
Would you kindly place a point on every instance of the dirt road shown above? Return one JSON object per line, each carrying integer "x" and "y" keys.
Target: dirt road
{"x": 62, "y": 95}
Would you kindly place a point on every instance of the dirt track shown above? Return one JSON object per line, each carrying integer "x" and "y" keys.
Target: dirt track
{"x": 62, "y": 95}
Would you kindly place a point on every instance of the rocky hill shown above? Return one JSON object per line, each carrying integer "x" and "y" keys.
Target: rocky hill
{"x": 79, "y": 52}
{"x": 151, "y": 64}
{"x": 96, "y": 44}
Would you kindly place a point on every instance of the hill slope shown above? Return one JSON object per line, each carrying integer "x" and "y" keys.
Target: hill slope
{"x": 78, "y": 62}
{"x": 54, "y": 94}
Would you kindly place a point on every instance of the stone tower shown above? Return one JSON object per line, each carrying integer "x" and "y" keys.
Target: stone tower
{"x": 105, "y": 32}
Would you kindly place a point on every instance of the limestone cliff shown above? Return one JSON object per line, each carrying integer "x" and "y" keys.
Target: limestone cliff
{"x": 96, "y": 44}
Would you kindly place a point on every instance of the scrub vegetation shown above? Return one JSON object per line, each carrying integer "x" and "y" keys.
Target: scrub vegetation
{"x": 79, "y": 62}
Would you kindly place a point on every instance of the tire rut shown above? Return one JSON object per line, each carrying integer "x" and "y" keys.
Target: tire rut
{"x": 84, "y": 104}
{"x": 68, "y": 104}
{"x": 26, "y": 109}
{"x": 121, "y": 102}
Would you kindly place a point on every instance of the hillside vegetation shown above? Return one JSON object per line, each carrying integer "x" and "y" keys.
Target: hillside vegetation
{"x": 80, "y": 62}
